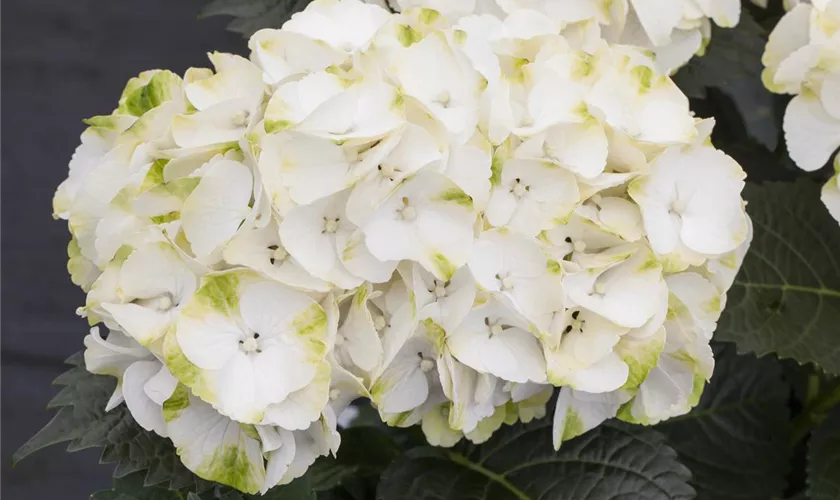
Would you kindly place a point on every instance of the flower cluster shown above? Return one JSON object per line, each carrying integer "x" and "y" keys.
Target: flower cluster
{"x": 674, "y": 30}
{"x": 802, "y": 58}
{"x": 450, "y": 216}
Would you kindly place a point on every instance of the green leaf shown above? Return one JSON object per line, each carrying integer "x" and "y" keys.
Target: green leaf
{"x": 732, "y": 64}
{"x": 614, "y": 460}
{"x": 735, "y": 441}
{"x": 254, "y": 15}
{"x": 82, "y": 422}
{"x": 131, "y": 487}
{"x": 302, "y": 488}
{"x": 786, "y": 298}
{"x": 824, "y": 459}
{"x": 149, "y": 469}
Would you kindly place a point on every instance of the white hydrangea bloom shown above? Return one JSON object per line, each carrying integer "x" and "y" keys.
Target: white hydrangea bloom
{"x": 801, "y": 58}
{"x": 674, "y": 30}
{"x": 450, "y": 211}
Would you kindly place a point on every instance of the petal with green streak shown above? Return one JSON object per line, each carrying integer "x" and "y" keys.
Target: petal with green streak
{"x": 161, "y": 87}
{"x": 213, "y": 446}
{"x": 641, "y": 355}
{"x": 185, "y": 371}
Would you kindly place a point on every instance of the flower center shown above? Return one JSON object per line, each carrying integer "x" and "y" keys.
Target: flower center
{"x": 241, "y": 119}
{"x": 444, "y": 99}
{"x": 599, "y": 288}
{"x": 576, "y": 324}
{"x": 250, "y": 345}
{"x": 439, "y": 289}
{"x": 387, "y": 171}
{"x": 519, "y": 190}
{"x": 407, "y": 212}
{"x": 334, "y": 394}
{"x": 379, "y": 323}
{"x": 505, "y": 282}
{"x": 331, "y": 224}
{"x": 493, "y": 327}
{"x": 278, "y": 254}
{"x": 426, "y": 364}
{"x": 579, "y": 246}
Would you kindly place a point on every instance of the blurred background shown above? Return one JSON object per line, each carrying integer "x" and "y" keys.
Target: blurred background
{"x": 63, "y": 61}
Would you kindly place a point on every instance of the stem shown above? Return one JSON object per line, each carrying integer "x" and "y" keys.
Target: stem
{"x": 813, "y": 389}
{"x": 817, "y": 407}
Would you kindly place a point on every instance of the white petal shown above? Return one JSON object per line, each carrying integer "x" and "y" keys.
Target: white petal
{"x": 211, "y": 445}
{"x": 144, "y": 324}
{"x": 218, "y": 205}
{"x": 812, "y": 135}
{"x": 160, "y": 387}
{"x": 577, "y": 412}
{"x": 659, "y": 18}
{"x": 511, "y": 353}
{"x": 147, "y": 413}
{"x": 304, "y": 406}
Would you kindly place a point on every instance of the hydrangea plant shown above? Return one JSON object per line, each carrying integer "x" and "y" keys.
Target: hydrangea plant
{"x": 461, "y": 249}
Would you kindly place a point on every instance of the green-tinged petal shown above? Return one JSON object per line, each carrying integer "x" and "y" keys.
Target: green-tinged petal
{"x": 436, "y": 428}
{"x": 302, "y": 407}
{"x": 82, "y": 271}
{"x": 213, "y": 446}
{"x": 577, "y": 412}
{"x": 489, "y": 425}
{"x": 161, "y": 87}
{"x": 640, "y": 355}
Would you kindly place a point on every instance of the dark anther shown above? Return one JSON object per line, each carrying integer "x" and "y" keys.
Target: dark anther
{"x": 568, "y": 329}
{"x": 575, "y": 314}
{"x": 568, "y": 240}
{"x": 272, "y": 247}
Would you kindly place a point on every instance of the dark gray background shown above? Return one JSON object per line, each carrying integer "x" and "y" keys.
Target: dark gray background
{"x": 64, "y": 60}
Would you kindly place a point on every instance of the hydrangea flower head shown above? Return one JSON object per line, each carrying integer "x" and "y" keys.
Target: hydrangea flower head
{"x": 450, "y": 211}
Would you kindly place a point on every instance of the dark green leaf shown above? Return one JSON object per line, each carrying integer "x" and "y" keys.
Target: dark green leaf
{"x": 254, "y": 15}
{"x": 147, "y": 467}
{"x": 612, "y": 461}
{"x": 824, "y": 459}
{"x": 786, "y": 298}
{"x": 237, "y": 8}
{"x": 369, "y": 448}
{"x": 131, "y": 488}
{"x": 301, "y": 488}
{"x": 732, "y": 63}
{"x": 735, "y": 441}
{"x": 82, "y": 422}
